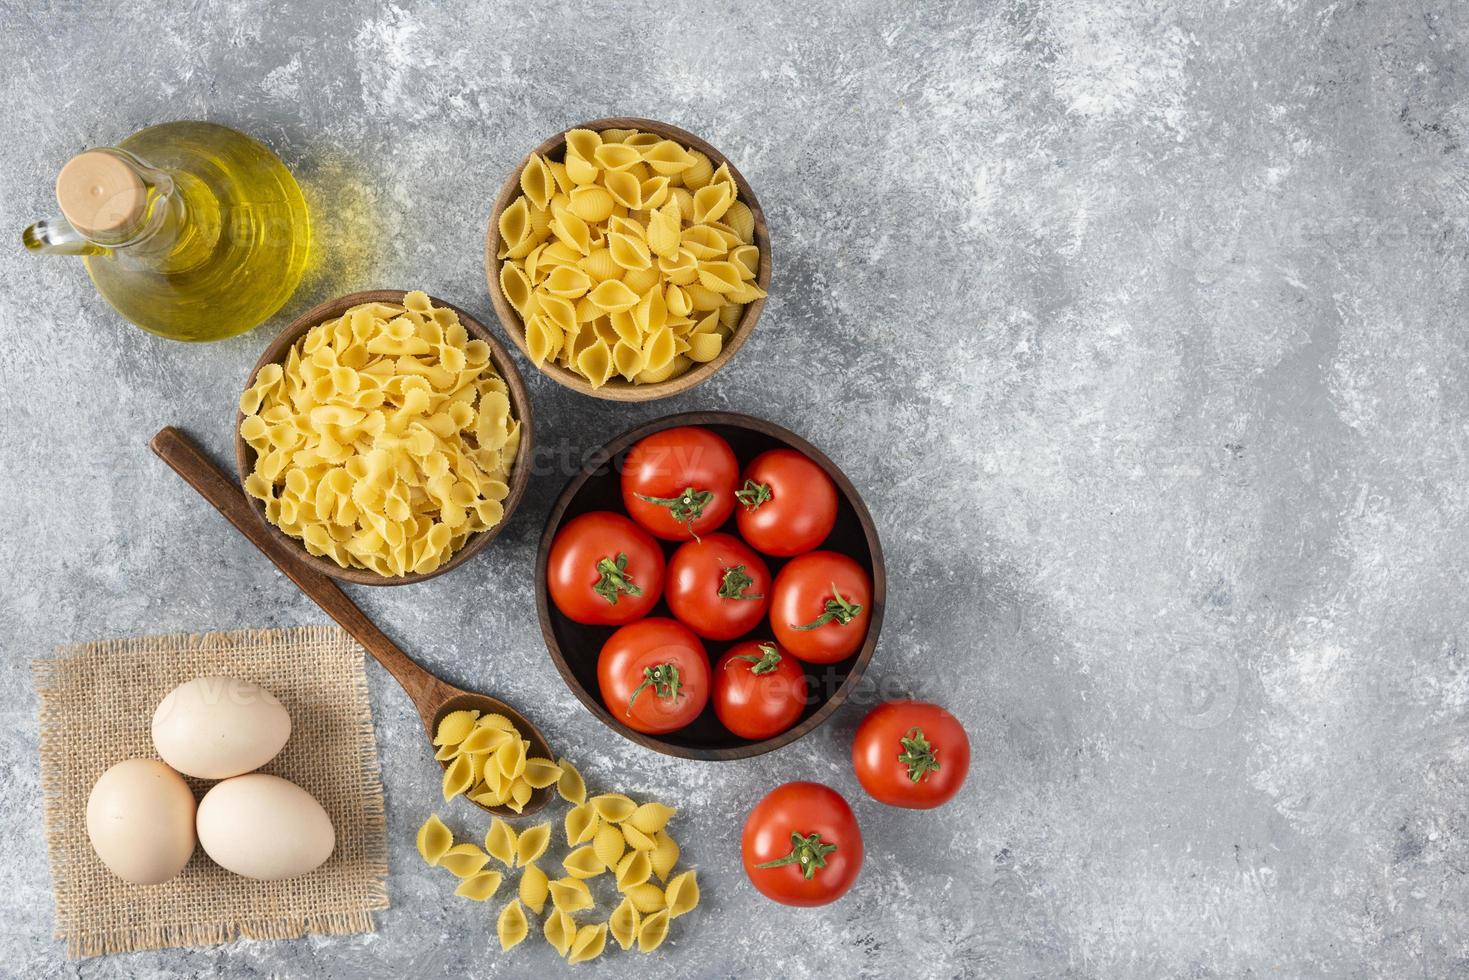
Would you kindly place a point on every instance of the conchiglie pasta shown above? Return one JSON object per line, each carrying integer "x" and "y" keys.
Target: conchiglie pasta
{"x": 636, "y": 839}
{"x": 648, "y": 897}
{"x": 583, "y": 863}
{"x": 588, "y": 944}
{"x": 623, "y": 216}
{"x": 434, "y": 839}
{"x": 464, "y": 860}
{"x": 533, "y": 888}
{"x": 613, "y": 807}
{"x": 480, "y": 886}
{"x": 624, "y": 923}
{"x": 368, "y": 438}
{"x": 664, "y": 855}
{"x": 682, "y": 894}
{"x": 651, "y": 817}
{"x": 570, "y": 784}
{"x": 570, "y": 894}
{"x": 500, "y": 842}
{"x": 633, "y": 869}
{"x": 511, "y": 926}
{"x": 608, "y": 845}
{"x": 581, "y": 824}
{"x": 653, "y": 931}
{"x": 560, "y": 930}
{"x": 532, "y": 843}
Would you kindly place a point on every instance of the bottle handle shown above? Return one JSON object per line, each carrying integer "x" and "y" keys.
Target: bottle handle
{"x": 56, "y": 236}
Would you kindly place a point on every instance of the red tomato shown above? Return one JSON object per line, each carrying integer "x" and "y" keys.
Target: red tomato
{"x": 680, "y": 483}
{"x": 911, "y": 754}
{"x": 758, "y": 691}
{"x": 789, "y": 503}
{"x": 603, "y": 569}
{"x": 801, "y": 845}
{"x": 821, "y": 608}
{"x": 654, "y": 675}
{"x": 718, "y": 587}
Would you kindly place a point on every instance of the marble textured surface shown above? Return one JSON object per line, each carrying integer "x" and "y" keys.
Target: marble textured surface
{"x": 1141, "y": 326}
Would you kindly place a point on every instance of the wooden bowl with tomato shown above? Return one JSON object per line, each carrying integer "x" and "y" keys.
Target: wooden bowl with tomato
{"x": 710, "y": 585}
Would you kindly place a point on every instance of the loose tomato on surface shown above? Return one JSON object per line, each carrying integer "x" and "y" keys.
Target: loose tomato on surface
{"x": 759, "y": 692}
{"x": 718, "y": 586}
{"x": 801, "y": 845}
{"x": 911, "y": 754}
{"x": 604, "y": 570}
{"x": 654, "y": 675}
{"x": 821, "y": 607}
{"x": 788, "y": 503}
{"x": 680, "y": 483}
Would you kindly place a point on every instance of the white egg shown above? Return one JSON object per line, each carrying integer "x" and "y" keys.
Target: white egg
{"x": 264, "y": 827}
{"x": 140, "y": 818}
{"x": 217, "y": 727}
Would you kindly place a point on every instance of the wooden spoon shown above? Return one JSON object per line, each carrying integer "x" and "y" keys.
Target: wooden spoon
{"x": 432, "y": 697}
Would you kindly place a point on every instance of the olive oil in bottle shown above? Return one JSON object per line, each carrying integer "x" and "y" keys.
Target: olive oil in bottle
{"x": 191, "y": 230}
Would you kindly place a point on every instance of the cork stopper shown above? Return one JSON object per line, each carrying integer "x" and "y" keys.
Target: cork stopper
{"x": 100, "y": 194}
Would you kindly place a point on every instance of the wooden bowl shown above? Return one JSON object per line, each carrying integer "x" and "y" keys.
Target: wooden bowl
{"x": 619, "y": 389}
{"x": 574, "y": 647}
{"x": 519, "y": 407}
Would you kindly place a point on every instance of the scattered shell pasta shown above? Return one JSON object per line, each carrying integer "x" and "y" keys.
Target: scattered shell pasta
{"x": 511, "y": 926}
{"x": 602, "y": 835}
{"x": 570, "y": 785}
{"x": 589, "y": 942}
{"x": 534, "y": 888}
{"x": 532, "y": 843}
{"x": 434, "y": 839}
{"x": 480, "y": 886}
{"x": 500, "y": 842}
{"x": 384, "y": 440}
{"x": 632, "y": 257}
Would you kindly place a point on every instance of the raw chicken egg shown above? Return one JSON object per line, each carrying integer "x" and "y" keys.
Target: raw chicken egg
{"x": 264, "y": 827}
{"x": 217, "y": 727}
{"x": 140, "y": 818}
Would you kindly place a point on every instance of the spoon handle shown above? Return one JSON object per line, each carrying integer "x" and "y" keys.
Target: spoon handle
{"x": 180, "y": 453}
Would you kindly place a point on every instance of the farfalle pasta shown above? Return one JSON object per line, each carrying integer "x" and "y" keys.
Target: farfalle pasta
{"x": 384, "y": 440}
{"x": 632, "y": 258}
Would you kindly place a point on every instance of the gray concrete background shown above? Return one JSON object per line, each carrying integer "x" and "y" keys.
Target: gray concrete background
{"x": 1140, "y": 325}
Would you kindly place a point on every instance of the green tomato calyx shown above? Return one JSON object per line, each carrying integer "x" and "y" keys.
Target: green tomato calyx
{"x": 918, "y": 755}
{"x": 809, "y": 852}
{"x": 753, "y": 494}
{"x": 734, "y": 583}
{"x": 768, "y": 660}
{"x": 838, "y": 610}
{"x": 614, "y": 580}
{"x": 663, "y": 679}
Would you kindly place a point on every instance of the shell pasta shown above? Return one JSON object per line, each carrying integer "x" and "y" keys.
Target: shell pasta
{"x": 384, "y": 440}
{"x": 601, "y": 838}
{"x": 633, "y": 258}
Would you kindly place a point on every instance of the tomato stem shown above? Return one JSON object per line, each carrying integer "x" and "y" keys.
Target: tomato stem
{"x": 614, "y": 579}
{"x": 663, "y": 679}
{"x": 918, "y": 755}
{"x": 686, "y": 508}
{"x": 753, "y": 494}
{"x": 768, "y": 660}
{"x": 809, "y": 852}
{"x": 838, "y": 610}
{"x": 734, "y": 584}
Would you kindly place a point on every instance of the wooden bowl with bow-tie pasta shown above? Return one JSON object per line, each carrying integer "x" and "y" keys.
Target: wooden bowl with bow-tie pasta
{"x": 408, "y": 493}
{"x": 627, "y": 258}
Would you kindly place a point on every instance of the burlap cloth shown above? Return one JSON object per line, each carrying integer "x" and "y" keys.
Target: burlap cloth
{"x": 96, "y": 706}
